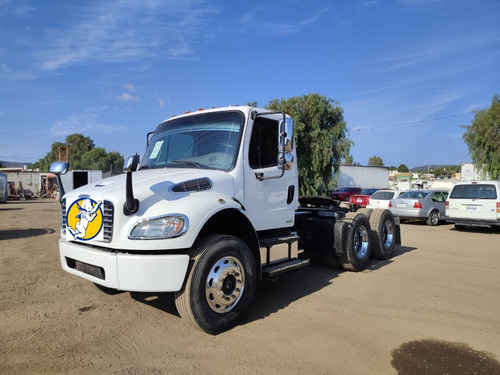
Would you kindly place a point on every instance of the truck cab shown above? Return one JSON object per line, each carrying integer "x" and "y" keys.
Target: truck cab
{"x": 211, "y": 208}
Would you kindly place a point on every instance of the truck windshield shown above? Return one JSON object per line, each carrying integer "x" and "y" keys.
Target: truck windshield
{"x": 205, "y": 140}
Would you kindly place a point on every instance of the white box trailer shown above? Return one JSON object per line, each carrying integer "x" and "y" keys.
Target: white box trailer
{"x": 363, "y": 176}
{"x": 78, "y": 178}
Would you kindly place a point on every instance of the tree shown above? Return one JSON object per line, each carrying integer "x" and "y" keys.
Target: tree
{"x": 82, "y": 155}
{"x": 321, "y": 139}
{"x": 375, "y": 161}
{"x": 483, "y": 138}
{"x": 403, "y": 168}
{"x": 349, "y": 160}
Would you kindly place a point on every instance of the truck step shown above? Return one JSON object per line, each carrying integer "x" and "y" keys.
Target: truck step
{"x": 276, "y": 240}
{"x": 285, "y": 266}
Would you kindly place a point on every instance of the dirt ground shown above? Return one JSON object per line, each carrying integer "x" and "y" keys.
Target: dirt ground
{"x": 432, "y": 309}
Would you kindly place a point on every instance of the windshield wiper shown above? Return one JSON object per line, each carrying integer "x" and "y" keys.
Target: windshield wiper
{"x": 145, "y": 167}
{"x": 189, "y": 162}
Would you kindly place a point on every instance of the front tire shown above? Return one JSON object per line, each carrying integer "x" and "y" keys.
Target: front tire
{"x": 220, "y": 283}
{"x": 357, "y": 243}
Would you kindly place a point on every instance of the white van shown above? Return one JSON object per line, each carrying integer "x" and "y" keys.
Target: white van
{"x": 475, "y": 203}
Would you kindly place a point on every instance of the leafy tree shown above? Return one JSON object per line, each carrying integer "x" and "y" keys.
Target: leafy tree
{"x": 375, "y": 161}
{"x": 403, "y": 168}
{"x": 82, "y": 155}
{"x": 483, "y": 138}
{"x": 393, "y": 168}
{"x": 349, "y": 160}
{"x": 321, "y": 139}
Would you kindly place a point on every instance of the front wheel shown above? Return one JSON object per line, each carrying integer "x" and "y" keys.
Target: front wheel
{"x": 220, "y": 283}
{"x": 433, "y": 218}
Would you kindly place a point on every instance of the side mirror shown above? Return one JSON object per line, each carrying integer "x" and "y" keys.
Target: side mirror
{"x": 131, "y": 163}
{"x": 289, "y": 135}
{"x": 59, "y": 167}
{"x": 288, "y": 144}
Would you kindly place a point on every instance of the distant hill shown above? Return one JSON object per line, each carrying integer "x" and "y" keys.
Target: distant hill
{"x": 432, "y": 166}
{"x": 13, "y": 164}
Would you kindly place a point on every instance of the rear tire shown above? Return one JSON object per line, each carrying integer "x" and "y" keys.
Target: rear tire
{"x": 357, "y": 243}
{"x": 383, "y": 234}
{"x": 433, "y": 218}
{"x": 220, "y": 283}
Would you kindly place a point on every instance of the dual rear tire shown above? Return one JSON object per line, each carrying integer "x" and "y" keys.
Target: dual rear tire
{"x": 367, "y": 233}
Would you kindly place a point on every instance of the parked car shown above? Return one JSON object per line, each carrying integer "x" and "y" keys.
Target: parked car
{"x": 344, "y": 193}
{"x": 381, "y": 198}
{"x": 426, "y": 205}
{"x": 475, "y": 203}
{"x": 361, "y": 199}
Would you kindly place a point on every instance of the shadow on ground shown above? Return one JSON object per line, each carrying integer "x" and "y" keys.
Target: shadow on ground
{"x": 10, "y": 234}
{"x": 274, "y": 295}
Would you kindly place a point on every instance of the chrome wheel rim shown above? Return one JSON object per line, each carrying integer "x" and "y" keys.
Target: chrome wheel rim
{"x": 361, "y": 242}
{"x": 225, "y": 284}
{"x": 388, "y": 234}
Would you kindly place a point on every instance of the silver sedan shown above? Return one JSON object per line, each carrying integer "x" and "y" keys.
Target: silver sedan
{"x": 425, "y": 205}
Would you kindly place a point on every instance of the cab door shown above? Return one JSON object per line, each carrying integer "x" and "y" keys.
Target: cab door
{"x": 270, "y": 187}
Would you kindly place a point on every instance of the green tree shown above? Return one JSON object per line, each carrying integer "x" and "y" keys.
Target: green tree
{"x": 349, "y": 160}
{"x": 483, "y": 138}
{"x": 321, "y": 139}
{"x": 403, "y": 168}
{"x": 82, "y": 154}
{"x": 375, "y": 161}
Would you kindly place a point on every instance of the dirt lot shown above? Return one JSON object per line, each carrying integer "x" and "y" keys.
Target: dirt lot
{"x": 433, "y": 308}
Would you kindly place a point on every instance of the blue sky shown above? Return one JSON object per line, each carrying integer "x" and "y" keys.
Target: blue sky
{"x": 408, "y": 73}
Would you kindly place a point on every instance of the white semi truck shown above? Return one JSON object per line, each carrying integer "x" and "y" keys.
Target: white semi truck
{"x": 211, "y": 209}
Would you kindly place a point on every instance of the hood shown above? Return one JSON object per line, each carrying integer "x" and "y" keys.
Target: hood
{"x": 153, "y": 181}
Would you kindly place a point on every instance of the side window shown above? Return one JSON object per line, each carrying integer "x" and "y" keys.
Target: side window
{"x": 437, "y": 197}
{"x": 264, "y": 144}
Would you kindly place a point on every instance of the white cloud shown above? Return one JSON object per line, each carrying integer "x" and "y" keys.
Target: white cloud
{"x": 129, "y": 87}
{"x": 161, "y": 102}
{"x": 102, "y": 32}
{"x": 83, "y": 123}
{"x": 127, "y": 97}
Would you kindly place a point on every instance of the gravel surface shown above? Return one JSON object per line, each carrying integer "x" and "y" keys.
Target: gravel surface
{"x": 434, "y": 308}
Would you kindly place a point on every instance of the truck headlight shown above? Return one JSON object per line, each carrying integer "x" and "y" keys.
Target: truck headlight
{"x": 157, "y": 228}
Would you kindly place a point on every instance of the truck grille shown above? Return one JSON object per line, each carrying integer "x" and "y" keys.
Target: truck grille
{"x": 107, "y": 217}
{"x": 107, "y": 212}
{"x": 63, "y": 216}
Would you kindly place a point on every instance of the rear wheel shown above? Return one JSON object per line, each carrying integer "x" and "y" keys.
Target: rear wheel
{"x": 433, "y": 218}
{"x": 357, "y": 244}
{"x": 383, "y": 234}
{"x": 220, "y": 283}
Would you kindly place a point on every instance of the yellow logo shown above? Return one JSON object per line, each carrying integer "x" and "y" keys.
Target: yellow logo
{"x": 84, "y": 220}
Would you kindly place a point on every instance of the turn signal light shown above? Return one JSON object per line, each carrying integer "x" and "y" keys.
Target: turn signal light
{"x": 498, "y": 207}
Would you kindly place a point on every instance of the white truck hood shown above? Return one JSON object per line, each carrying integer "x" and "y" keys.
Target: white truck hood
{"x": 153, "y": 182}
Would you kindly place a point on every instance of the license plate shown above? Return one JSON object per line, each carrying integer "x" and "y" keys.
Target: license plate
{"x": 401, "y": 205}
{"x": 473, "y": 208}
{"x": 90, "y": 269}
{"x": 359, "y": 200}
